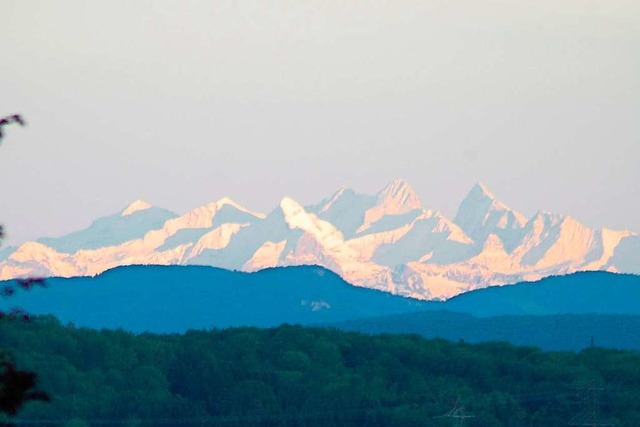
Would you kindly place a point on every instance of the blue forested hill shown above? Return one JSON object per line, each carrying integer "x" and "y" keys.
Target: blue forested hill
{"x": 578, "y": 293}
{"x": 177, "y": 298}
{"x": 572, "y": 332}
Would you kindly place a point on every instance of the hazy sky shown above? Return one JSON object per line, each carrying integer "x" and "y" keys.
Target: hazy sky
{"x": 183, "y": 102}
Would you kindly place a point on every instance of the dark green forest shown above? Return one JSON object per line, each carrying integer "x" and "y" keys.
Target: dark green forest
{"x": 298, "y": 376}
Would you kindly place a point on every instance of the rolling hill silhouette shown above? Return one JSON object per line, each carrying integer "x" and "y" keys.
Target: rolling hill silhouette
{"x": 177, "y": 298}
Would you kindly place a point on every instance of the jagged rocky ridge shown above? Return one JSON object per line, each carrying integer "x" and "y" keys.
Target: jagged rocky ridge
{"x": 387, "y": 241}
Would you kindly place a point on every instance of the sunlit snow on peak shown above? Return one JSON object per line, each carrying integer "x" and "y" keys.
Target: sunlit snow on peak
{"x": 138, "y": 205}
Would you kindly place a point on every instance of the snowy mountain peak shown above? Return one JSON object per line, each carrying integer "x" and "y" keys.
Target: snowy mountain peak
{"x": 384, "y": 241}
{"x": 481, "y": 214}
{"x": 340, "y": 194}
{"x": 395, "y": 199}
{"x": 481, "y": 192}
{"x": 138, "y": 205}
{"x": 226, "y": 201}
{"x": 296, "y": 217}
{"x": 212, "y": 214}
{"x": 345, "y": 209}
{"x": 481, "y": 188}
{"x": 294, "y": 214}
{"x": 290, "y": 207}
{"x": 399, "y": 194}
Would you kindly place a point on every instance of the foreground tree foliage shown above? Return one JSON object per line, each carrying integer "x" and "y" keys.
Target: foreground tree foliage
{"x": 16, "y": 387}
{"x": 295, "y": 376}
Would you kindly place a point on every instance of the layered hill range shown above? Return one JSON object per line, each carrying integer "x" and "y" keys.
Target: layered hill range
{"x": 387, "y": 241}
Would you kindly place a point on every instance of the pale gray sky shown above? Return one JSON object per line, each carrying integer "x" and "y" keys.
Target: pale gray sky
{"x": 183, "y": 102}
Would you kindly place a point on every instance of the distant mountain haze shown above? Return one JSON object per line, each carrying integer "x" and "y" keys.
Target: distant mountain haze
{"x": 387, "y": 241}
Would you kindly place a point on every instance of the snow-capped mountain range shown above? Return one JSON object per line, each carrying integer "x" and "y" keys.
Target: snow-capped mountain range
{"x": 387, "y": 241}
